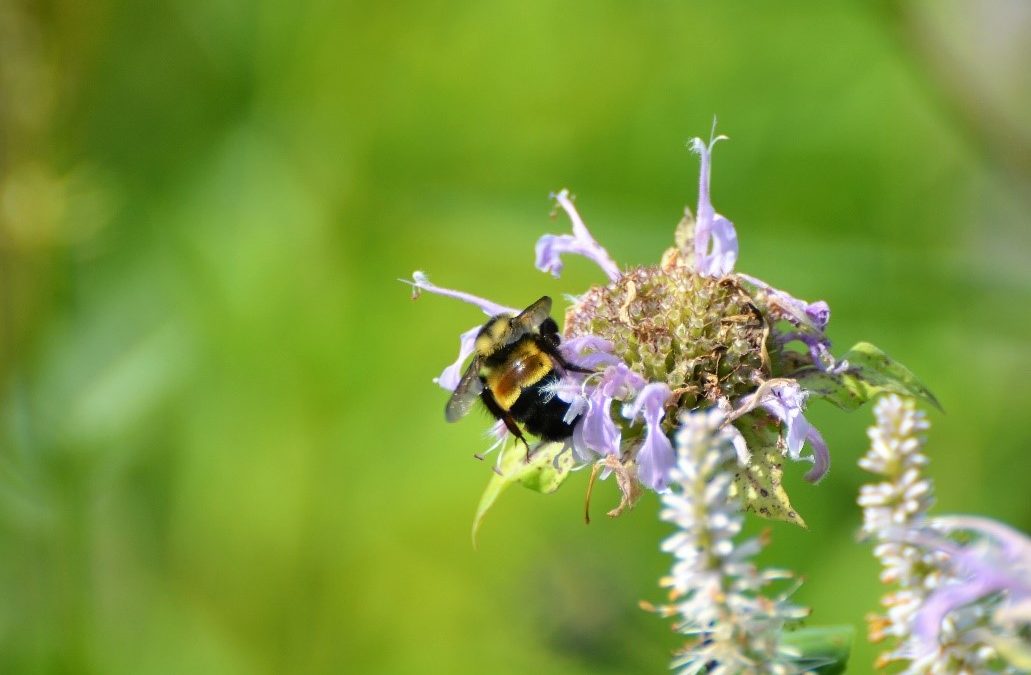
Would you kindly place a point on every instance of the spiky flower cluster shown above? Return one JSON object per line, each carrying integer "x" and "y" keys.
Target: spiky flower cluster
{"x": 715, "y": 590}
{"x": 961, "y": 598}
{"x": 701, "y": 336}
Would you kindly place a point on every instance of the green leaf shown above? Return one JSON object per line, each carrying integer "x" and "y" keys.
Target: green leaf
{"x": 820, "y": 649}
{"x": 759, "y": 483}
{"x": 540, "y": 474}
{"x": 870, "y": 373}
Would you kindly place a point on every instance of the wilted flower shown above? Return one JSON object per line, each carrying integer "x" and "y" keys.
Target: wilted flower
{"x": 716, "y": 592}
{"x": 962, "y": 601}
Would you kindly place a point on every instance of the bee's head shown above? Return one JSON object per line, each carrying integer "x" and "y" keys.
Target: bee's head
{"x": 494, "y": 334}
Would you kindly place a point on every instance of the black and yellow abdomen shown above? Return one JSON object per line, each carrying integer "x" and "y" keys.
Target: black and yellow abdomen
{"x": 516, "y": 380}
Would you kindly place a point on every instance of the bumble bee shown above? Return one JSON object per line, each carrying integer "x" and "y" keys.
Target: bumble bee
{"x": 514, "y": 364}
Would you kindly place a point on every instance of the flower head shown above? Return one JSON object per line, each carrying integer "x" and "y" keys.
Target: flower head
{"x": 689, "y": 333}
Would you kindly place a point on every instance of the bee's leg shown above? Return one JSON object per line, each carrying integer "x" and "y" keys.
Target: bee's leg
{"x": 514, "y": 429}
{"x": 518, "y": 433}
{"x": 506, "y": 417}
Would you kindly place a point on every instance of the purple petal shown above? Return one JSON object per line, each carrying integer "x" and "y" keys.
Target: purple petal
{"x": 712, "y": 231}
{"x": 655, "y": 457}
{"x": 786, "y": 402}
{"x": 549, "y": 251}
{"x": 451, "y": 375}
{"x": 574, "y": 347}
{"x": 980, "y": 570}
{"x": 551, "y": 247}
{"x": 821, "y": 456}
{"x": 720, "y": 261}
{"x": 819, "y": 313}
{"x": 799, "y": 312}
{"x": 619, "y": 381}
{"x": 650, "y": 401}
{"x": 928, "y": 619}
{"x": 1015, "y": 545}
{"x": 420, "y": 282}
{"x": 599, "y": 351}
{"x": 597, "y": 430}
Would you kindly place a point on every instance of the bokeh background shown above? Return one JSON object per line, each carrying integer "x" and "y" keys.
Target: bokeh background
{"x": 220, "y": 447}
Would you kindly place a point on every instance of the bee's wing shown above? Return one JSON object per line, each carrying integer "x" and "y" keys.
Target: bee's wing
{"x": 529, "y": 319}
{"x": 465, "y": 394}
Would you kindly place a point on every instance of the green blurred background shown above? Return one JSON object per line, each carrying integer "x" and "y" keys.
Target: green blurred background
{"x": 220, "y": 447}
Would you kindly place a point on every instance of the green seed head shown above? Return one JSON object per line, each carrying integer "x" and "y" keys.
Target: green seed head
{"x": 702, "y": 336}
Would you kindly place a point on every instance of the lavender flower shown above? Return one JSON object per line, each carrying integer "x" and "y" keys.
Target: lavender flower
{"x": 715, "y": 589}
{"x": 655, "y": 457}
{"x": 715, "y": 240}
{"x": 959, "y": 606}
{"x": 550, "y": 247}
{"x": 448, "y": 379}
{"x": 687, "y": 334}
{"x": 785, "y": 401}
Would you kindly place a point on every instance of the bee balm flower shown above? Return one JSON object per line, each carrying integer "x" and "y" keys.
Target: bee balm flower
{"x": 689, "y": 333}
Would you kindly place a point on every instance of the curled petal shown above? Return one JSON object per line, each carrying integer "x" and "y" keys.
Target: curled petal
{"x": 549, "y": 252}
{"x": 821, "y": 456}
{"x": 815, "y": 315}
{"x": 619, "y": 381}
{"x": 551, "y": 247}
{"x": 598, "y": 351}
{"x": 1014, "y": 544}
{"x": 649, "y": 402}
{"x": 420, "y": 282}
{"x": 596, "y": 432}
{"x": 737, "y": 439}
{"x": 980, "y": 568}
{"x": 715, "y": 239}
{"x": 451, "y": 375}
{"x": 928, "y": 620}
{"x": 720, "y": 260}
{"x": 786, "y": 401}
